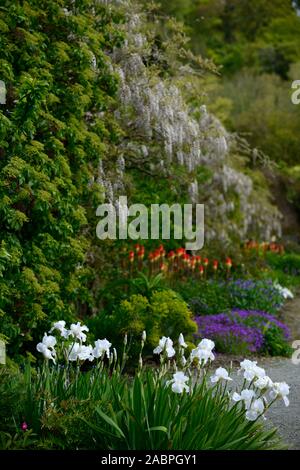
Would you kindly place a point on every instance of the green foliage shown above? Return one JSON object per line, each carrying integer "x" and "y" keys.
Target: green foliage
{"x": 120, "y": 288}
{"x": 288, "y": 263}
{"x": 292, "y": 184}
{"x": 237, "y": 33}
{"x": 261, "y": 109}
{"x": 146, "y": 285}
{"x": 11, "y": 397}
{"x": 257, "y": 46}
{"x": 164, "y": 313}
{"x": 207, "y": 297}
{"x": 50, "y": 152}
{"x": 275, "y": 344}
{"x": 211, "y": 297}
{"x": 102, "y": 409}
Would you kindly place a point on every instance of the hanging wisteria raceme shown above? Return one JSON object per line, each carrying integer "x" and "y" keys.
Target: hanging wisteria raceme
{"x": 153, "y": 112}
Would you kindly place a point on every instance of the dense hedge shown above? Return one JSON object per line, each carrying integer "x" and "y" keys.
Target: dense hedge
{"x": 52, "y": 134}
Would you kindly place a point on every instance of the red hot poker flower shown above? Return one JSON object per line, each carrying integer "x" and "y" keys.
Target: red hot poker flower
{"x": 163, "y": 267}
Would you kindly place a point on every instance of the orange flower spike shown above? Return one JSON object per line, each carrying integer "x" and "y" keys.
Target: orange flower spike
{"x": 201, "y": 270}
{"x": 180, "y": 251}
{"x": 171, "y": 255}
{"x": 228, "y": 263}
{"x": 131, "y": 256}
{"x": 205, "y": 262}
{"x": 215, "y": 264}
{"x": 163, "y": 267}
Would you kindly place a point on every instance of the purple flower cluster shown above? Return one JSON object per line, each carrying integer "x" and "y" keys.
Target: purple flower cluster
{"x": 259, "y": 320}
{"x": 256, "y": 292}
{"x": 239, "y": 331}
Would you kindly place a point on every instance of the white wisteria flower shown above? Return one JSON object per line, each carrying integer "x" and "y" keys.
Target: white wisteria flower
{"x": 165, "y": 344}
{"x": 263, "y": 383}
{"x": 284, "y": 291}
{"x": 220, "y": 374}
{"x": 179, "y": 382}
{"x": 256, "y": 409}
{"x": 76, "y": 330}
{"x": 61, "y": 327}
{"x": 280, "y": 390}
{"x": 246, "y": 396}
{"x": 47, "y": 353}
{"x": 144, "y": 336}
{"x": 181, "y": 341}
{"x": 102, "y": 347}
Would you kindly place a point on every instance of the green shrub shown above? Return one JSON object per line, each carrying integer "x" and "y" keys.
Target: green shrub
{"x": 288, "y": 263}
{"x": 213, "y": 297}
{"x": 12, "y": 393}
{"x": 49, "y": 155}
{"x": 165, "y": 313}
{"x": 207, "y": 297}
{"x": 275, "y": 342}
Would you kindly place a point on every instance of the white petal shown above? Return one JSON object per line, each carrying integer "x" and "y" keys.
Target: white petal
{"x": 236, "y": 397}
{"x": 251, "y": 415}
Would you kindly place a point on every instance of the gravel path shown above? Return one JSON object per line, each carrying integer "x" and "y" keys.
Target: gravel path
{"x": 286, "y": 419}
